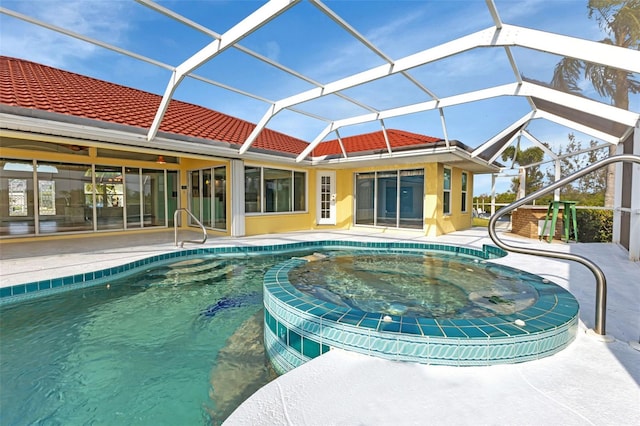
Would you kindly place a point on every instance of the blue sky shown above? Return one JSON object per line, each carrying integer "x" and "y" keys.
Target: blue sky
{"x": 308, "y": 42}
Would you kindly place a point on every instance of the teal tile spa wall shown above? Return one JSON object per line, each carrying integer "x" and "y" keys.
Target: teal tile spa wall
{"x": 544, "y": 328}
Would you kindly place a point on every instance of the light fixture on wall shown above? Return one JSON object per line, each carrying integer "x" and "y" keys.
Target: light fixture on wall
{"x": 160, "y": 160}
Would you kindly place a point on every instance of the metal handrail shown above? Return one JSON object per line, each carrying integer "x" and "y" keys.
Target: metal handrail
{"x": 175, "y": 229}
{"x": 601, "y": 282}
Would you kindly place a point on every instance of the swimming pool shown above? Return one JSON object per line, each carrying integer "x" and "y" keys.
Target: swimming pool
{"x": 150, "y": 348}
{"x": 179, "y": 343}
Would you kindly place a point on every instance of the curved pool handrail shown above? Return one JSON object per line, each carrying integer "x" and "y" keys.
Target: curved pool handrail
{"x": 175, "y": 229}
{"x": 601, "y": 282}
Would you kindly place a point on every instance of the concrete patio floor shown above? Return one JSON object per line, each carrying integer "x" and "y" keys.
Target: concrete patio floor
{"x": 590, "y": 382}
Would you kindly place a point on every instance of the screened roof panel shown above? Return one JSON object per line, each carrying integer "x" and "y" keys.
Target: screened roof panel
{"x": 332, "y": 107}
{"x": 246, "y": 73}
{"x": 215, "y": 15}
{"x": 539, "y": 66}
{"x": 467, "y": 71}
{"x": 170, "y": 41}
{"x": 332, "y": 60}
{"x": 426, "y": 122}
{"x": 400, "y": 28}
{"x": 550, "y": 16}
{"x": 389, "y": 92}
{"x": 475, "y": 122}
{"x": 307, "y": 41}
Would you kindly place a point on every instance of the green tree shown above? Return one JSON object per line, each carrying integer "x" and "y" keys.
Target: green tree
{"x": 589, "y": 190}
{"x": 534, "y": 178}
{"x": 620, "y": 20}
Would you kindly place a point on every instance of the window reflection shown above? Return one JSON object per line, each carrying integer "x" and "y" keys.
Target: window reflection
{"x": 208, "y": 197}
{"x": 397, "y": 197}
{"x": 109, "y": 197}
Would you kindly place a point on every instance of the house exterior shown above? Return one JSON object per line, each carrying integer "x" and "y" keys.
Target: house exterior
{"x": 74, "y": 158}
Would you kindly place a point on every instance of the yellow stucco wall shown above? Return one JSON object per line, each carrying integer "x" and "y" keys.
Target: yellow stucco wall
{"x": 456, "y": 220}
{"x": 435, "y": 221}
{"x": 432, "y": 199}
{"x": 280, "y": 222}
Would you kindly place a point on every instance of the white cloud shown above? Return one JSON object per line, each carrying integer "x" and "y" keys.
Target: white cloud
{"x": 273, "y": 50}
{"x": 510, "y": 10}
{"x": 381, "y": 34}
{"x": 102, "y": 20}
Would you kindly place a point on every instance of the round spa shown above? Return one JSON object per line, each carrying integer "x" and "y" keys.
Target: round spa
{"x": 425, "y": 303}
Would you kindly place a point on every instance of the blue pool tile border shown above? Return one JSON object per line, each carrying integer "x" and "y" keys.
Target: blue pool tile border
{"x": 25, "y": 291}
{"x": 540, "y": 330}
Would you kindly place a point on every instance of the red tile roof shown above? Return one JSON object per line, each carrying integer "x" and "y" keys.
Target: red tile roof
{"x": 373, "y": 142}
{"x": 31, "y": 85}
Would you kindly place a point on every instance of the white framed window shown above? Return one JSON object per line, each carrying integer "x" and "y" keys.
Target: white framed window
{"x": 463, "y": 204}
{"x": 269, "y": 190}
{"x": 446, "y": 192}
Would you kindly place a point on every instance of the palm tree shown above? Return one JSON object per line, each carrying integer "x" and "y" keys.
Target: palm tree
{"x": 620, "y": 20}
{"x": 533, "y": 176}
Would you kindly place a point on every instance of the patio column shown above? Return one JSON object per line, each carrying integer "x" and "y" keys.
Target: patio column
{"x": 558, "y": 175}
{"x": 237, "y": 198}
{"x": 522, "y": 188}
{"x": 626, "y": 213}
{"x": 634, "y": 189}
{"x": 493, "y": 194}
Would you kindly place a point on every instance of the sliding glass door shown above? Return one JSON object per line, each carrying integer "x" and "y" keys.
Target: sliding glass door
{"x": 208, "y": 197}
{"x": 396, "y": 197}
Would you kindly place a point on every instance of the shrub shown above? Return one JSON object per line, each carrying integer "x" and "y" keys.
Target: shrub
{"x": 479, "y": 221}
{"x": 594, "y": 226}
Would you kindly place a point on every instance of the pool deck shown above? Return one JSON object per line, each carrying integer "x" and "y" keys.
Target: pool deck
{"x": 590, "y": 382}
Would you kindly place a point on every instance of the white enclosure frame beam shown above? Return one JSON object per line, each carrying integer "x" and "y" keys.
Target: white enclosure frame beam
{"x": 444, "y": 127}
{"x": 513, "y": 89}
{"x": 386, "y": 137}
{"x": 577, "y": 126}
{"x": 516, "y": 124}
{"x": 163, "y": 65}
{"x": 508, "y": 35}
{"x": 498, "y": 22}
{"x": 339, "y": 138}
{"x": 525, "y": 89}
{"x": 239, "y": 31}
{"x": 362, "y": 39}
{"x": 578, "y": 103}
{"x": 573, "y": 47}
{"x": 539, "y": 144}
{"x": 188, "y": 22}
{"x": 406, "y": 63}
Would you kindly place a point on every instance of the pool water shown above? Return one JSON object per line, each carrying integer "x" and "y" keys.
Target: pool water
{"x": 420, "y": 285}
{"x": 151, "y": 348}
